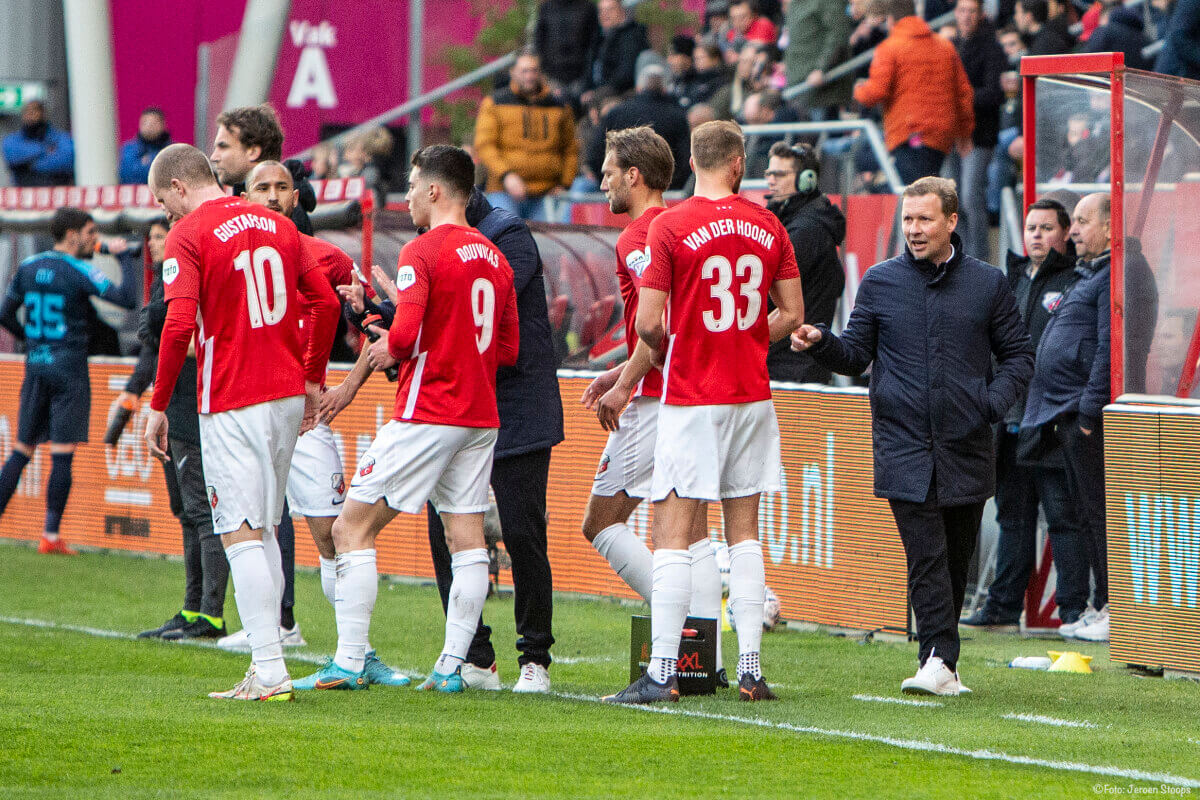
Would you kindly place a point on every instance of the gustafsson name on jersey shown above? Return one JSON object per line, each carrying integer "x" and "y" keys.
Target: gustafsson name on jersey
{"x": 243, "y": 222}
{"x": 470, "y": 252}
{"x": 728, "y": 227}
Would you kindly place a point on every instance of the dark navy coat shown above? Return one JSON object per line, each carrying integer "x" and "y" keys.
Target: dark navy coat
{"x": 929, "y": 335}
{"x": 531, "y": 416}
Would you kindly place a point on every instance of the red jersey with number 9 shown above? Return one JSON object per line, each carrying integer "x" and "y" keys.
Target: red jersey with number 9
{"x": 717, "y": 260}
{"x": 241, "y": 264}
{"x": 463, "y": 289}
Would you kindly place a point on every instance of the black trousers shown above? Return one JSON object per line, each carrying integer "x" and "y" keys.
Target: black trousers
{"x": 938, "y": 545}
{"x": 206, "y": 570}
{"x": 1085, "y": 478}
{"x": 286, "y": 533}
{"x": 520, "y": 486}
{"x": 1020, "y": 488}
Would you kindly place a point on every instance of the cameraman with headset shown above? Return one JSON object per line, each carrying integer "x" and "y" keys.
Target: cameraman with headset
{"x": 816, "y": 228}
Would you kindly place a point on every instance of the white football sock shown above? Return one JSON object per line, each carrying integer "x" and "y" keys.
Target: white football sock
{"x": 661, "y": 669}
{"x": 468, "y": 590}
{"x": 628, "y": 556}
{"x": 329, "y": 579}
{"x": 257, "y": 605}
{"x": 669, "y": 605}
{"x": 747, "y": 589}
{"x": 357, "y": 587}
{"x": 706, "y": 588}
{"x": 274, "y": 561}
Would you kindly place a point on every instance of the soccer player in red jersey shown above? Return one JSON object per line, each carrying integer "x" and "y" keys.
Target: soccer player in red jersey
{"x": 456, "y": 322}
{"x": 637, "y": 169}
{"x": 713, "y": 261}
{"x": 235, "y": 276}
{"x": 316, "y": 484}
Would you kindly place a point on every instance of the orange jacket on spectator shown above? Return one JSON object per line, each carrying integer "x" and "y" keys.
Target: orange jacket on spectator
{"x": 533, "y": 136}
{"x": 919, "y": 78}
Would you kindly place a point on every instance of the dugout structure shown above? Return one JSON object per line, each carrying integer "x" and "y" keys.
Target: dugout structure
{"x": 1092, "y": 125}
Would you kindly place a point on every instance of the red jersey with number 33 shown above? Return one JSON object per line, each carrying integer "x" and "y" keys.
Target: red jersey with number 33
{"x": 241, "y": 264}
{"x": 464, "y": 288}
{"x": 717, "y": 259}
{"x": 632, "y": 260}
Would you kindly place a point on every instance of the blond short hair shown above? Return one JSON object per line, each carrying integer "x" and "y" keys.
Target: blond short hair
{"x": 715, "y": 144}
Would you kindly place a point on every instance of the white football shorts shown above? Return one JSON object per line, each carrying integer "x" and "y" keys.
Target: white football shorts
{"x": 247, "y": 456}
{"x": 628, "y": 461}
{"x": 410, "y": 462}
{"x": 716, "y": 452}
{"x": 316, "y": 486}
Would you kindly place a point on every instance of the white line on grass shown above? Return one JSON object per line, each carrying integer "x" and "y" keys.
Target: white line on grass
{"x": 1059, "y": 723}
{"x": 916, "y": 744}
{"x": 904, "y": 744}
{"x": 584, "y": 659}
{"x": 900, "y": 701}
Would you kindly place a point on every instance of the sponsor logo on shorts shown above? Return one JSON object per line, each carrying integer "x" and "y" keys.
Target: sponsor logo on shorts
{"x": 366, "y": 467}
{"x": 603, "y": 468}
{"x": 170, "y": 270}
{"x": 212, "y": 496}
{"x": 405, "y": 277}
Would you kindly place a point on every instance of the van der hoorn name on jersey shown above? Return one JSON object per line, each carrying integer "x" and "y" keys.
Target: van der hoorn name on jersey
{"x": 470, "y": 252}
{"x": 243, "y": 222}
{"x": 728, "y": 227}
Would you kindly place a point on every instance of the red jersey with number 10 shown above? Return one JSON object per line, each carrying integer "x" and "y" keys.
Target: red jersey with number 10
{"x": 632, "y": 260}
{"x": 463, "y": 287}
{"x": 241, "y": 264}
{"x": 717, "y": 259}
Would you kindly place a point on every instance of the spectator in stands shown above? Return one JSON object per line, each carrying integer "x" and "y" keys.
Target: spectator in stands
{"x": 1013, "y": 46}
{"x": 919, "y": 80}
{"x": 652, "y": 106}
{"x": 369, "y": 156}
{"x": 613, "y": 58}
{"x": 1120, "y": 31}
{"x": 1026, "y": 476}
{"x": 562, "y": 37}
{"x": 869, "y": 30}
{"x": 727, "y": 101}
{"x": 747, "y": 24}
{"x": 1180, "y": 54}
{"x": 39, "y": 154}
{"x": 818, "y": 32}
{"x": 1060, "y": 19}
{"x": 681, "y": 62}
{"x": 587, "y": 131}
{"x": 1002, "y": 168}
{"x": 983, "y": 60}
{"x": 246, "y": 136}
{"x": 526, "y": 139}
{"x": 709, "y": 76}
{"x": 138, "y": 152}
{"x": 1030, "y": 17}
{"x": 324, "y": 162}
{"x": 817, "y": 229}
{"x": 763, "y": 108}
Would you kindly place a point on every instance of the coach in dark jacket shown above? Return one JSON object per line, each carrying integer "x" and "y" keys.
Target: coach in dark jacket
{"x": 531, "y": 423}
{"x": 817, "y": 229}
{"x": 929, "y": 323}
{"x": 652, "y": 106}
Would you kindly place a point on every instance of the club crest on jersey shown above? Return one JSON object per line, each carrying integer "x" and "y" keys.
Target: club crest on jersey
{"x": 170, "y": 270}
{"x": 212, "y": 496}
{"x": 366, "y": 467}
{"x": 405, "y": 277}
{"x": 603, "y": 468}
{"x": 637, "y": 261}
{"x": 338, "y": 482}
{"x": 1051, "y": 301}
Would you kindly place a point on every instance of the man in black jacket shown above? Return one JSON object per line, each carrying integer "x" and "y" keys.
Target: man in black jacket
{"x": 817, "y": 229}
{"x": 563, "y": 36}
{"x": 531, "y": 423}
{"x": 984, "y": 60}
{"x": 929, "y": 323}
{"x": 613, "y": 58}
{"x": 654, "y": 107}
{"x": 1025, "y": 477}
{"x": 206, "y": 571}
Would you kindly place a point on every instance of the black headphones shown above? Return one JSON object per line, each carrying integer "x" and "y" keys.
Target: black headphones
{"x": 806, "y": 168}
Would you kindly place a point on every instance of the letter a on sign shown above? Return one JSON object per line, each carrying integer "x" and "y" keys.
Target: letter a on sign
{"x": 312, "y": 81}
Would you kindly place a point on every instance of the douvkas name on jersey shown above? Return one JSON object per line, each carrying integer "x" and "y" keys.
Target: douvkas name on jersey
{"x": 728, "y": 227}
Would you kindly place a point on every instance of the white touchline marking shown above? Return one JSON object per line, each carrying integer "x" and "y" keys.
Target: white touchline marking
{"x": 1038, "y": 718}
{"x": 900, "y": 701}
{"x": 914, "y": 744}
{"x": 584, "y": 659}
{"x": 904, "y": 744}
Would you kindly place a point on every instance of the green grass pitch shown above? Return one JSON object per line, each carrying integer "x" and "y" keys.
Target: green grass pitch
{"x": 87, "y": 715}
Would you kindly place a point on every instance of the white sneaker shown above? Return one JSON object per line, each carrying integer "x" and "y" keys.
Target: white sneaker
{"x": 934, "y": 678}
{"x": 1090, "y": 615}
{"x": 240, "y": 642}
{"x": 534, "y": 680}
{"x": 474, "y": 677}
{"x": 251, "y": 687}
{"x": 1096, "y": 631}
